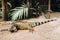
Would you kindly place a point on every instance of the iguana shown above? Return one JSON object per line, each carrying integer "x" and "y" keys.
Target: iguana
{"x": 15, "y": 26}
{"x": 30, "y": 25}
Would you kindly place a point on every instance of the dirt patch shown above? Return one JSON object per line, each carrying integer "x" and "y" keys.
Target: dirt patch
{"x": 48, "y": 31}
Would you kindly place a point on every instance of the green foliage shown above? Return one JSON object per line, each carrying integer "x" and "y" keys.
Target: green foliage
{"x": 18, "y": 12}
{"x": 22, "y": 11}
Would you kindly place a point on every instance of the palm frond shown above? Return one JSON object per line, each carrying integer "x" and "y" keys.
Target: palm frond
{"x": 18, "y": 13}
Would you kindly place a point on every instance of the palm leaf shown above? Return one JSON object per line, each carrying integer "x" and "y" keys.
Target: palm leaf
{"x": 18, "y": 13}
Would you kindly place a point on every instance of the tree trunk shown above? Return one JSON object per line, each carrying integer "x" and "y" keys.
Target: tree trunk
{"x": 4, "y": 10}
{"x": 47, "y": 15}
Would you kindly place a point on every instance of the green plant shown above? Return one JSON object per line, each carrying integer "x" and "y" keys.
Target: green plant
{"x": 18, "y": 12}
{"x": 22, "y": 11}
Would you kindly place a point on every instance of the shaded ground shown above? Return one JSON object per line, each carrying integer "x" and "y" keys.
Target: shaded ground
{"x": 48, "y": 31}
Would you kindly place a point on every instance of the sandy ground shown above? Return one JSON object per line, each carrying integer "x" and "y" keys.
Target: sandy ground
{"x": 48, "y": 31}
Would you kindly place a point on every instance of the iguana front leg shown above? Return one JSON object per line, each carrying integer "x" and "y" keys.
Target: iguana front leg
{"x": 31, "y": 30}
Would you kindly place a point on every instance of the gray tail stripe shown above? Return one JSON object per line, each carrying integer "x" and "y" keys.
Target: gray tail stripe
{"x": 46, "y": 21}
{"x": 39, "y": 23}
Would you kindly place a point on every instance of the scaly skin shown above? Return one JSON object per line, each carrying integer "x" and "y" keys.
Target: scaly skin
{"x": 15, "y": 26}
{"x": 25, "y": 25}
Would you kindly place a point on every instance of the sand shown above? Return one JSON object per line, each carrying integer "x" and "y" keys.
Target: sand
{"x": 47, "y": 31}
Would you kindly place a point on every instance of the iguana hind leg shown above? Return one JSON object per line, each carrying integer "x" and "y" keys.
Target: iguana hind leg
{"x": 31, "y": 30}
